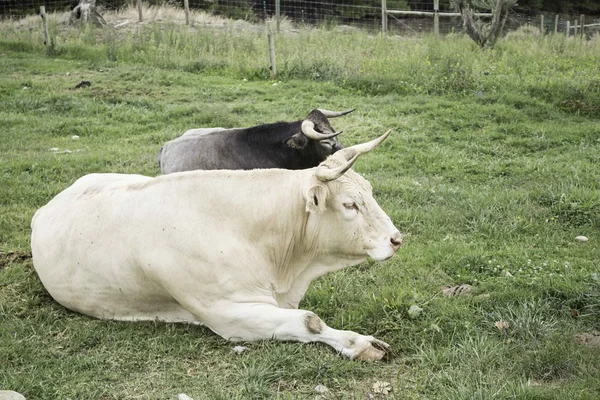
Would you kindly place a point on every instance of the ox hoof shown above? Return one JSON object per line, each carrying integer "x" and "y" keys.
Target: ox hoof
{"x": 375, "y": 350}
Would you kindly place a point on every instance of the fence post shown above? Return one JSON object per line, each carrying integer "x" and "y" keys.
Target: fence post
{"x": 542, "y": 24}
{"x": 186, "y": 6}
{"x": 45, "y": 22}
{"x": 581, "y": 25}
{"x": 278, "y": 14}
{"x": 139, "y": 7}
{"x": 384, "y": 21}
{"x": 556, "y": 24}
{"x": 568, "y": 28}
{"x": 271, "y": 50}
{"x": 575, "y": 29}
{"x": 436, "y": 17}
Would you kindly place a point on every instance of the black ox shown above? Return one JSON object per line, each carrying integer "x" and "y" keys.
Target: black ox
{"x": 289, "y": 145}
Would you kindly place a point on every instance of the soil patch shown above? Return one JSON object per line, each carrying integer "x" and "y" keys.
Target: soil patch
{"x": 12, "y": 257}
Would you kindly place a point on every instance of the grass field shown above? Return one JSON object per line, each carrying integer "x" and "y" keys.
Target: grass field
{"x": 492, "y": 171}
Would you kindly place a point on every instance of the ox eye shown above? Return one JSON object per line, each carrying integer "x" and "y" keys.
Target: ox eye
{"x": 351, "y": 206}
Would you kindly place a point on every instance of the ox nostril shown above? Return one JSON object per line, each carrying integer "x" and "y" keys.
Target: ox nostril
{"x": 396, "y": 240}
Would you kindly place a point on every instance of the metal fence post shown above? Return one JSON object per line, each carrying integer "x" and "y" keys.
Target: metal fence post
{"x": 384, "y": 21}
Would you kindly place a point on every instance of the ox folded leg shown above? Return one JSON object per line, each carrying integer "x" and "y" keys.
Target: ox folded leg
{"x": 256, "y": 321}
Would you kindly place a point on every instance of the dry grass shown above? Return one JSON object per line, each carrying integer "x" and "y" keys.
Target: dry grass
{"x": 151, "y": 14}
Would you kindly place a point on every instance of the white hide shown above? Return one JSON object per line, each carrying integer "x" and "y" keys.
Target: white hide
{"x": 233, "y": 250}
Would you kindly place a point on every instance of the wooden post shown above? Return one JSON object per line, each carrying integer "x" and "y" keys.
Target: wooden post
{"x": 271, "y": 50}
{"x": 542, "y": 24}
{"x": 581, "y": 25}
{"x": 384, "y": 20}
{"x": 568, "y": 28}
{"x": 436, "y": 17}
{"x": 556, "y": 24}
{"x": 575, "y": 29}
{"x": 186, "y": 6}
{"x": 45, "y": 21}
{"x": 277, "y": 13}
{"x": 139, "y": 7}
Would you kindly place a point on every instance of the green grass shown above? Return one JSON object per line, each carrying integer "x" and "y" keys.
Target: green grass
{"x": 485, "y": 174}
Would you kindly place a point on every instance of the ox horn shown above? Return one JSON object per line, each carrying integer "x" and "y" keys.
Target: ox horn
{"x": 334, "y": 114}
{"x": 308, "y": 129}
{"x": 351, "y": 154}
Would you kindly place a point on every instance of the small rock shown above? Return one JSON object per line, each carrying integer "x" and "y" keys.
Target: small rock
{"x": 275, "y": 84}
{"x": 321, "y": 389}
{"x": 75, "y": 137}
{"x": 183, "y": 396}
{"x": 53, "y": 149}
{"x": 414, "y": 311}
{"x": 507, "y": 274}
{"x": 581, "y": 238}
{"x": 239, "y": 349}
{"x": 10, "y": 395}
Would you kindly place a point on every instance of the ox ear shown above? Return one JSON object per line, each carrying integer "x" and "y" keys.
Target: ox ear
{"x": 316, "y": 198}
{"x": 297, "y": 141}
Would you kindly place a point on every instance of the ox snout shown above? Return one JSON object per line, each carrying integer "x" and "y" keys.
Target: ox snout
{"x": 396, "y": 240}
{"x": 387, "y": 246}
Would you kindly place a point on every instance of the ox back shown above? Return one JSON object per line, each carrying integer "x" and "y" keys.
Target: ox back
{"x": 244, "y": 148}
{"x": 287, "y": 145}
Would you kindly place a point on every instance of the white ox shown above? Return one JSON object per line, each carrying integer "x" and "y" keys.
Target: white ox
{"x": 233, "y": 250}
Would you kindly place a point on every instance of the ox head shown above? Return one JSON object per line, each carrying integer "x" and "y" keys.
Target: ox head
{"x": 350, "y": 220}
{"x": 317, "y": 136}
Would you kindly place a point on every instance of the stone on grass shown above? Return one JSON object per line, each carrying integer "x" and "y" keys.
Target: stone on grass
{"x": 10, "y": 395}
{"x": 239, "y": 349}
{"x": 414, "y": 311}
{"x": 183, "y": 396}
{"x": 581, "y": 238}
{"x": 321, "y": 389}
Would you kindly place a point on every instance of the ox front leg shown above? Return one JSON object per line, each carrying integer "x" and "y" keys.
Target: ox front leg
{"x": 254, "y": 321}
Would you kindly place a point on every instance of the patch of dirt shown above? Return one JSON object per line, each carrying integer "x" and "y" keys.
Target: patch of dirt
{"x": 588, "y": 339}
{"x": 12, "y": 257}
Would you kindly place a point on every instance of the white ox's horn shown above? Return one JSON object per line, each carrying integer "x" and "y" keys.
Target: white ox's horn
{"x": 351, "y": 154}
{"x": 334, "y": 114}
{"x": 308, "y": 129}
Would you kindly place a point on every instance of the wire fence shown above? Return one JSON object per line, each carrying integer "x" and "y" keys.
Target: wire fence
{"x": 396, "y": 17}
